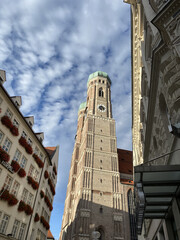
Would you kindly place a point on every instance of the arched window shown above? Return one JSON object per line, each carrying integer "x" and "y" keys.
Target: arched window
{"x": 101, "y": 93}
{"x": 100, "y": 229}
{"x": 132, "y": 217}
{"x": 164, "y": 113}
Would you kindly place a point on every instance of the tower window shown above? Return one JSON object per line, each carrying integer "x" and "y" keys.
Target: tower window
{"x": 99, "y": 80}
{"x": 101, "y": 209}
{"x": 101, "y": 93}
{"x": 100, "y": 148}
{"x": 100, "y": 180}
{"x": 103, "y": 81}
{"x": 100, "y": 161}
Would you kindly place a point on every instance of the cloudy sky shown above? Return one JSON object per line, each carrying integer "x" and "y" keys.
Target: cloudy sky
{"x": 48, "y": 48}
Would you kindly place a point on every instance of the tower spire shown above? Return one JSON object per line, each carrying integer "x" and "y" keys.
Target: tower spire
{"x": 94, "y": 200}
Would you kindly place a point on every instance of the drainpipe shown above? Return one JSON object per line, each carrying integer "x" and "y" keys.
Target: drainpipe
{"x": 34, "y": 202}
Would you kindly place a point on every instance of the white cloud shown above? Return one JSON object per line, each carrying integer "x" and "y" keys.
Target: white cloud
{"x": 48, "y": 49}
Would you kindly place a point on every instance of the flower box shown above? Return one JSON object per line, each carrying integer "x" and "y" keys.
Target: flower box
{"x": 28, "y": 149}
{"x": 22, "y": 173}
{"x": 22, "y": 206}
{"x": 27, "y": 146}
{"x": 12, "y": 200}
{"x": 42, "y": 194}
{"x": 36, "y": 218}
{"x": 15, "y": 165}
{"x": 6, "y": 121}
{"x": 38, "y": 161}
{"x": 54, "y": 170}
{"x": 46, "y": 174}
{"x": 4, "y": 194}
{"x": 45, "y": 223}
{"x": 48, "y": 203}
{"x": 51, "y": 186}
{"x": 14, "y": 131}
{"x": 28, "y": 210}
{"x": 32, "y": 182}
{"x": 4, "y": 156}
{"x": 22, "y": 141}
{"x": 35, "y": 185}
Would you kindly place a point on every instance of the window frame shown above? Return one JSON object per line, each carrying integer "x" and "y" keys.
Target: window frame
{"x": 7, "y": 145}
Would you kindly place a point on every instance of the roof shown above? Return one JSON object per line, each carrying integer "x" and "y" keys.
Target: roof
{"x": 82, "y": 106}
{"x": 98, "y": 73}
{"x": 51, "y": 151}
{"x": 125, "y": 161}
{"x": 49, "y": 235}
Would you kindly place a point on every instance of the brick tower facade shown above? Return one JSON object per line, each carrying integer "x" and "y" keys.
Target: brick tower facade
{"x": 95, "y": 204}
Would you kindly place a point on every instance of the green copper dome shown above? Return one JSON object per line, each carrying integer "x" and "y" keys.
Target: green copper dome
{"x": 98, "y": 73}
{"x": 82, "y": 106}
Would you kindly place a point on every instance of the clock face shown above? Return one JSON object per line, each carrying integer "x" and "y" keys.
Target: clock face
{"x": 101, "y": 108}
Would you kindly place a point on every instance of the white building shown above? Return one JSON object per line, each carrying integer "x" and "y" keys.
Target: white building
{"x": 28, "y": 173}
{"x": 155, "y": 27}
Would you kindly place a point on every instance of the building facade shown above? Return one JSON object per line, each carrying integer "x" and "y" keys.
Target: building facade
{"x": 96, "y": 205}
{"x": 28, "y": 173}
{"x": 155, "y": 32}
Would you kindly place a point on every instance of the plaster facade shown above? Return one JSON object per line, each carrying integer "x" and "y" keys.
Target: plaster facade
{"x": 24, "y": 213}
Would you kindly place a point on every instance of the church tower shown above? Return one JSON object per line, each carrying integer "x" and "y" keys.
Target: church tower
{"x": 94, "y": 200}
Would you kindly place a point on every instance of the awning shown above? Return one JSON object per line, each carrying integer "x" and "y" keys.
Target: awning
{"x": 155, "y": 187}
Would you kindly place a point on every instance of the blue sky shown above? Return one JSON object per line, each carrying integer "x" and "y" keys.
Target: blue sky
{"x": 48, "y": 48}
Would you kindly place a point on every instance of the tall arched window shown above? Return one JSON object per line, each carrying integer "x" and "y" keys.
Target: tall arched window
{"x": 164, "y": 113}
{"x": 101, "y": 93}
{"x": 132, "y": 218}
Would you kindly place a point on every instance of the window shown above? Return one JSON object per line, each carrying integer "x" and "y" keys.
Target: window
{"x": 17, "y": 155}
{"x": 22, "y": 231}
{"x": 15, "y": 188}
{"x": 101, "y": 93}
{"x": 15, "y": 123}
{"x": 7, "y": 145}
{"x": 4, "y": 224}
{"x": 36, "y": 151}
{"x": 1, "y": 136}
{"x": 99, "y": 80}
{"x": 100, "y": 180}
{"x": 36, "y": 175}
{"x": 103, "y": 81}
{"x": 41, "y": 235}
{"x": 8, "y": 183}
{"x": 41, "y": 156}
{"x": 29, "y": 141}
{"x": 24, "y": 195}
{"x": 30, "y": 199}
{"x": 23, "y": 162}
{"x": 24, "y": 135}
{"x": 8, "y": 113}
{"x": 101, "y": 209}
{"x": 31, "y": 171}
{"x": 42, "y": 212}
{"x": 15, "y": 228}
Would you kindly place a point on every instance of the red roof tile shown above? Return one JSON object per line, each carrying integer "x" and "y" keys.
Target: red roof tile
{"x": 50, "y": 150}
{"x": 49, "y": 234}
{"x": 125, "y": 161}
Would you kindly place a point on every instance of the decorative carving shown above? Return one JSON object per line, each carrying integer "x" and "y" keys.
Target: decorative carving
{"x": 118, "y": 218}
{"x": 85, "y": 214}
